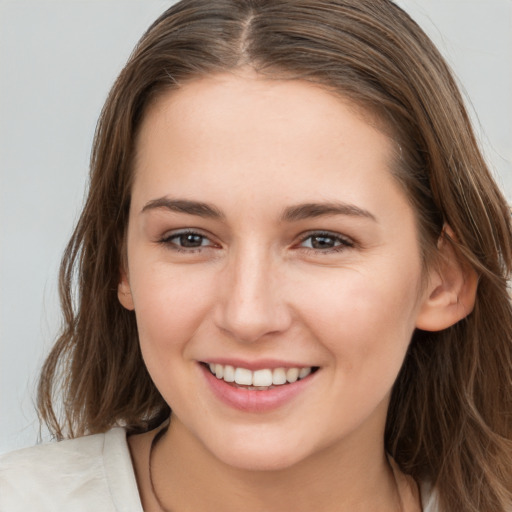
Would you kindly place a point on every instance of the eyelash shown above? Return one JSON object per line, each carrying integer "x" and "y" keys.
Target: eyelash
{"x": 342, "y": 242}
{"x": 167, "y": 240}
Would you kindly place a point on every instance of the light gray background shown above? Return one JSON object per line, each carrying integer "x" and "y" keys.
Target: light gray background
{"x": 58, "y": 59}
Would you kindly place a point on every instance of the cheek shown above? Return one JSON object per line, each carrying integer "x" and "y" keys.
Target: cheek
{"x": 366, "y": 319}
{"x": 170, "y": 304}
{"x": 170, "y": 308}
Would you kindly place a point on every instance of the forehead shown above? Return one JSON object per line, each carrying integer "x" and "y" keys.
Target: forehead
{"x": 247, "y": 87}
{"x": 259, "y": 108}
{"x": 285, "y": 138}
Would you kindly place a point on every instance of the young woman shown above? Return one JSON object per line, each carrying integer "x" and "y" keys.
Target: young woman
{"x": 292, "y": 242}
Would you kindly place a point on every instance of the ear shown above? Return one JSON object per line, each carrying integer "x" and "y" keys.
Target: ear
{"x": 451, "y": 290}
{"x": 124, "y": 292}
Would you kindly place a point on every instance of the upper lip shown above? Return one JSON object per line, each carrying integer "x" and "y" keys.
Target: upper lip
{"x": 259, "y": 364}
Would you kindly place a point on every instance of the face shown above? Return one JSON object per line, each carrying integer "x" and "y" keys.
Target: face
{"x": 269, "y": 243}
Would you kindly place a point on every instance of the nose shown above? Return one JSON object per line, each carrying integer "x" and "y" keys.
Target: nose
{"x": 252, "y": 305}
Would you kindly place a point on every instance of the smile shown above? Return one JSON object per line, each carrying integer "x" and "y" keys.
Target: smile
{"x": 259, "y": 390}
{"x": 259, "y": 380}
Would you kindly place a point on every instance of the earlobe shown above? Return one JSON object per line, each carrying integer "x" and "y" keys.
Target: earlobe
{"x": 124, "y": 293}
{"x": 451, "y": 292}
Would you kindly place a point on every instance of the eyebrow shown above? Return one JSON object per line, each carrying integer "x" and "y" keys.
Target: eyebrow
{"x": 184, "y": 206}
{"x": 312, "y": 210}
{"x": 290, "y": 214}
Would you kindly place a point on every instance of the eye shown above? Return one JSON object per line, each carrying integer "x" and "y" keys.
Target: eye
{"x": 186, "y": 240}
{"x": 325, "y": 242}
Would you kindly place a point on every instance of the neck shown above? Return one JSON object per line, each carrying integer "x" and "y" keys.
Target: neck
{"x": 186, "y": 476}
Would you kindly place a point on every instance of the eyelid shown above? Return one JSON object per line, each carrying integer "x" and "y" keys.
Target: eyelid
{"x": 168, "y": 236}
{"x": 345, "y": 241}
{"x": 342, "y": 242}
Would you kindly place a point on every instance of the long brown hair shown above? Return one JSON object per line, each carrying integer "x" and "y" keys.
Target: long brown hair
{"x": 450, "y": 417}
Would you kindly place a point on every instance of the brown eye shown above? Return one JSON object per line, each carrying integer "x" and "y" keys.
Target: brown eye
{"x": 186, "y": 240}
{"x": 190, "y": 240}
{"x": 322, "y": 242}
{"x": 325, "y": 242}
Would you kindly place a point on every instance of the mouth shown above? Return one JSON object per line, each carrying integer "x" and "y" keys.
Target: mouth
{"x": 258, "y": 380}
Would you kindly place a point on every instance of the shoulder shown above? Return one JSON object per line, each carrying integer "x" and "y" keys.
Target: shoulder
{"x": 77, "y": 474}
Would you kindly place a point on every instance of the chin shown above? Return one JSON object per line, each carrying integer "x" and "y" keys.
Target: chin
{"x": 260, "y": 463}
{"x": 260, "y": 456}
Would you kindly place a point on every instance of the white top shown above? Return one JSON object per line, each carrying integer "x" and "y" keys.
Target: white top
{"x": 92, "y": 473}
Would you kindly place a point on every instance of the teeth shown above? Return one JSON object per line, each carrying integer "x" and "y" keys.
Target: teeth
{"x": 279, "y": 376}
{"x": 304, "y": 372}
{"x": 262, "y": 378}
{"x": 229, "y": 373}
{"x": 259, "y": 379}
{"x": 292, "y": 374}
{"x": 243, "y": 376}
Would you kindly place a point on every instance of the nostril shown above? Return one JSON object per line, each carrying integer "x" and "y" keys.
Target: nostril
{"x": 249, "y": 324}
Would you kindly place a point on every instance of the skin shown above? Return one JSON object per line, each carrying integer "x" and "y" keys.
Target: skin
{"x": 256, "y": 288}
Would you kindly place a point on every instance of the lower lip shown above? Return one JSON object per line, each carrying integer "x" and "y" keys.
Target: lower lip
{"x": 249, "y": 400}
